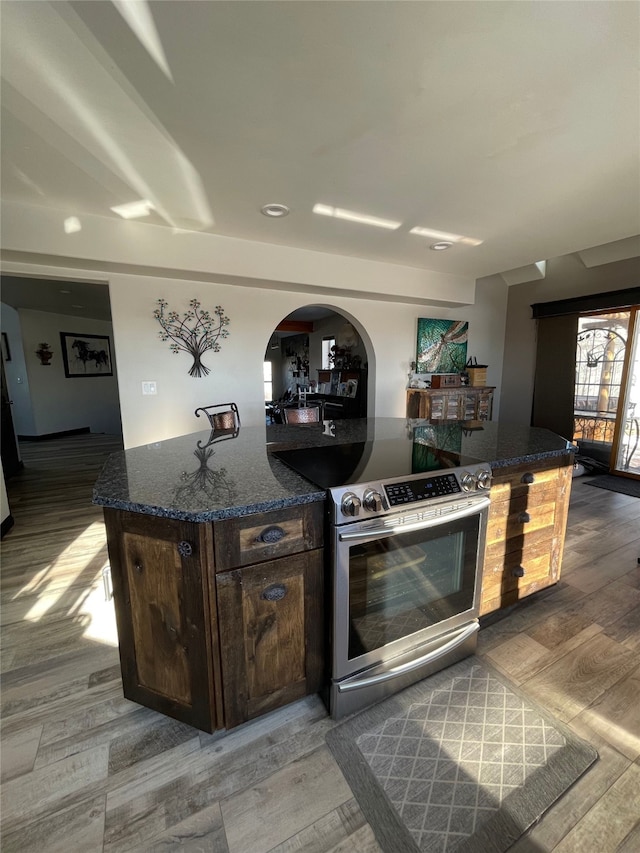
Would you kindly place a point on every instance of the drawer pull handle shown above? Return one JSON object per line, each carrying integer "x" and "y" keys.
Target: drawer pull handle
{"x": 524, "y": 517}
{"x": 275, "y": 592}
{"x": 528, "y": 478}
{"x": 272, "y": 534}
{"x": 185, "y": 549}
{"x": 138, "y": 567}
{"x": 518, "y": 572}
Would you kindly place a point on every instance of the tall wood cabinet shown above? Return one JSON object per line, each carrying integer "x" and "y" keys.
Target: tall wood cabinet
{"x": 456, "y": 404}
{"x": 219, "y": 622}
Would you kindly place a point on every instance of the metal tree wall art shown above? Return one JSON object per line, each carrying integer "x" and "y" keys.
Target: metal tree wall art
{"x": 196, "y": 332}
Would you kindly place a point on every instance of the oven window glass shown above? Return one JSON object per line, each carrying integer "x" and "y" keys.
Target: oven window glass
{"x": 410, "y": 581}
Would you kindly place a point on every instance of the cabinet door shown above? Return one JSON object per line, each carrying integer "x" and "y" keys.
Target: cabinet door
{"x": 168, "y": 646}
{"x": 272, "y": 635}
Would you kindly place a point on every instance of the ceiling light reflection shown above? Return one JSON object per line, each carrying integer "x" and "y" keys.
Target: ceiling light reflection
{"x": 133, "y": 209}
{"x": 71, "y": 225}
{"x": 138, "y": 17}
{"x": 352, "y": 216}
{"x": 445, "y": 236}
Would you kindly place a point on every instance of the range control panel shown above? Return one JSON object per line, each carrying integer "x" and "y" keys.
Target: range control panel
{"x": 422, "y": 490}
{"x": 378, "y": 498}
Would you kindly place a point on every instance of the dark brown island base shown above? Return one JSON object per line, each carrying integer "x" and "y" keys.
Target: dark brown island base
{"x": 217, "y": 552}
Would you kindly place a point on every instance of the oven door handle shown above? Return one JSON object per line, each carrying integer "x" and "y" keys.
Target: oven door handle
{"x": 423, "y": 524}
{"x": 459, "y": 638}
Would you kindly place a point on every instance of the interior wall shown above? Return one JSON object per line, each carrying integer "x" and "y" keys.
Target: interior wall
{"x": 566, "y": 277}
{"x": 555, "y": 374}
{"x": 60, "y": 403}
{"x": 16, "y": 374}
{"x": 389, "y": 331}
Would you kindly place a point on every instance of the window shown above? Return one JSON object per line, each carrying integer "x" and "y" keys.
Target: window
{"x": 327, "y": 343}
{"x": 268, "y": 380}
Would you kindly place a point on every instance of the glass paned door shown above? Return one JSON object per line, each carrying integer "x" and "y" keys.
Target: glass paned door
{"x": 600, "y": 364}
{"x": 627, "y": 438}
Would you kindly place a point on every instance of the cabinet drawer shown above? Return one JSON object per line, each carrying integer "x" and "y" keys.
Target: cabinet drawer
{"x": 528, "y": 481}
{"x": 503, "y": 527}
{"x": 516, "y": 577}
{"x": 533, "y": 557}
{"x": 523, "y": 542}
{"x": 266, "y": 536}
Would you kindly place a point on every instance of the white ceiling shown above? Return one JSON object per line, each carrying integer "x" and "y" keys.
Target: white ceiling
{"x": 516, "y": 123}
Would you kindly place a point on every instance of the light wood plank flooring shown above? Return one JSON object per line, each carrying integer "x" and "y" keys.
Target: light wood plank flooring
{"x": 85, "y": 770}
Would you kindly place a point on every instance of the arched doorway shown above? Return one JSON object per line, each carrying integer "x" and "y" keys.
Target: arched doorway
{"x": 322, "y": 353}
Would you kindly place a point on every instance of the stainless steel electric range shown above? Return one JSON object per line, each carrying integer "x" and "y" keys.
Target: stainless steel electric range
{"x": 406, "y": 563}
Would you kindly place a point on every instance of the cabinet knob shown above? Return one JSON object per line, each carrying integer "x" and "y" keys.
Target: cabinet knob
{"x": 518, "y": 572}
{"x": 275, "y": 592}
{"x": 185, "y": 549}
{"x": 138, "y": 567}
{"x": 271, "y": 534}
{"x": 527, "y": 478}
{"x": 524, "y": 517}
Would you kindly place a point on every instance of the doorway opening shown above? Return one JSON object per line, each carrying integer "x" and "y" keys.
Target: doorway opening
{"x": 315, "y": 357}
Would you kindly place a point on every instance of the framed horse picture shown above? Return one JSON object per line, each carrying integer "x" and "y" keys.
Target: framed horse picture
{"x": 85, "y": 355}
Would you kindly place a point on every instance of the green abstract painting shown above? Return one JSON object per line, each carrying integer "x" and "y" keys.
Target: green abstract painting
{"x": 442, "y": 346}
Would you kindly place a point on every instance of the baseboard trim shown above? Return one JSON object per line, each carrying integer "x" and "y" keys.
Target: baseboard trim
{"x": 6, "y": 526}
{"x": 64, "y": 432}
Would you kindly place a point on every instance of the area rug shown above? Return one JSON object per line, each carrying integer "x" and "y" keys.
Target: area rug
{"x": 458, "y": 762}
{"x": 624, "y": 485}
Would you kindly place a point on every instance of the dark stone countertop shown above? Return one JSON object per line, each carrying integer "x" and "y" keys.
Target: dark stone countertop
{"x": 196, "y": 479}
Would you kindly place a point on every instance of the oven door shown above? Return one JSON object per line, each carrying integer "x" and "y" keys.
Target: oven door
{"x": 404, "y": 580}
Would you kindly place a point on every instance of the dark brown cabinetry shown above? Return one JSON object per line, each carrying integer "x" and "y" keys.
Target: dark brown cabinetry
{"x": 269, "y": 585}
{"x": 272, "y": 634}
{"x": 167, "y": 629}
{"x": 525, "y": 531}
{"x": 456, "y": 404}
{"x": 219, "y": 623}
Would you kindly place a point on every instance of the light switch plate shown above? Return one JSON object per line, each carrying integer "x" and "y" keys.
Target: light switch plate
{"x": 149, "y": 387}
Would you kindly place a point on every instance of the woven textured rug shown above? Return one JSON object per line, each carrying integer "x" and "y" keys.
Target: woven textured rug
{"x": 624, "y": 485}
{"x": 458, "y": 762}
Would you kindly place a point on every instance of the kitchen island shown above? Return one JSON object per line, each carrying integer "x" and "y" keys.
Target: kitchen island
{"x": 217, "y": 550}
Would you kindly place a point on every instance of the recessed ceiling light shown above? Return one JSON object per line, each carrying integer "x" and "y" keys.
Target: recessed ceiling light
{"x": 444, "y": 236}
{"x": 134, "y": 209}
{"x": 72, "y": 224}
{"x": 441, "y": 246}
{"x": 274, "y": 210}
{"x": 352, "y": 216}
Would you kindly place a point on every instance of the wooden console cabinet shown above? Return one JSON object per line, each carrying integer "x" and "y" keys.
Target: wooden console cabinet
{"x": 456, "y": 404}
{"x": 526, "y": 529}
{"x": 221, "y": 622}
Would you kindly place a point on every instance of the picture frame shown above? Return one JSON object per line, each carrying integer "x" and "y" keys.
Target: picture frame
{"x": 85, "y": 355}
{"x": 6, "y": 352}
{"x": 352, "y": 388}
{"x": 441, "y": 345}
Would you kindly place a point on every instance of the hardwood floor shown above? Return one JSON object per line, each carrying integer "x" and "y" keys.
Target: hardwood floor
{"x": 85, "y": 770}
